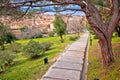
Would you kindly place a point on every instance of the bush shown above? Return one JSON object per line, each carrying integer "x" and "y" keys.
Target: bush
{"x": 51, "y": 34}
{"x": 47, "y": 45}
{"x": 10, "y": 37}
{"x": 15, "y": 47}
{"x": 7, "y": 57}
{"x": 33, "y": 49}
{"x": 73, "y": 38}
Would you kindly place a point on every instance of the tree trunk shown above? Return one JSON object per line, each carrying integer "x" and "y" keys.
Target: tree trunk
{"x": 61, "y": 38}
{"x": 102, "y": 29}
{"x": 106, "y": 50}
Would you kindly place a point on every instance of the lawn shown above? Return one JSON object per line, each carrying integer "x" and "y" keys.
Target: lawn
{"x": 96, "y": 68}
{"x": 27, "y": 69}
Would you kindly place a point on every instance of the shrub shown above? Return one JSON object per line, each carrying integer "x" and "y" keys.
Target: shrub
{"x": 46, "y": 45}
{"x": 10, "y": 37}
{"x": 73, "y": 38}
{"x": 33, "y": 49}
{"x": 7, "y": 57}
{"x": 15, "y": 47}
{"x": 51, "y": 34}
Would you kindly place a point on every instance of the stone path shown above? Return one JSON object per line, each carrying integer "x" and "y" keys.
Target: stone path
{"x": 71, "y": 64}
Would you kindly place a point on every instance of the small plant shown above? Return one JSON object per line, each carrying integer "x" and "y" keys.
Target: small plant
{"x": 15, "y": 47}
{"x": 33, "y": 49}
{"x": 73, "y": 38}
{"x": 47, "y": 45}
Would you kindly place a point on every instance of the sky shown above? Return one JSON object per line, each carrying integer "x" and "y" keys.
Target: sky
{"x": 60, "y": 8}
{"x": 67, "y": 12}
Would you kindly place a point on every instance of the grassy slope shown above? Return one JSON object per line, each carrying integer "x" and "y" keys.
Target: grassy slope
{"x": 26, "y": 69}
{"x": 96, "y": 68}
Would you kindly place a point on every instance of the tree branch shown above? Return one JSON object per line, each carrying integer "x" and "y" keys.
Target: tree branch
{"x": 65, "y": 9}
{"x": 25, "y": 11}
{"x": 115, "y": 17}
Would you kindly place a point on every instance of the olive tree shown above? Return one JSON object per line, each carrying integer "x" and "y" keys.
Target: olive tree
{"x": 33, "y": 49}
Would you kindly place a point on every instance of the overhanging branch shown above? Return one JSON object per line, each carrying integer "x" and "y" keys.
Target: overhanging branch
{"x": 115, "y": 17}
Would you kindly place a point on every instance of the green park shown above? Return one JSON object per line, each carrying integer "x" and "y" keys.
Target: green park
{"x": 59, "y": 40}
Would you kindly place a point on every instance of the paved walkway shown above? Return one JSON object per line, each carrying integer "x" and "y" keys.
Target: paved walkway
{"x": 70, "y": 65}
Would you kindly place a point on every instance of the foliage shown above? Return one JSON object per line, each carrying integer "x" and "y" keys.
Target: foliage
{"x": 2, "y": 33}
{"x": 25, "y": 69}
{"x": 23, "y": 29}
{"x": 89, "y": 28}
{"x": 5, "y": 35}
{"x": 73, "y": 38}
{"x": 15, "y": 47}
{"x": 33, "y": 49}
{"x": 60, "y": 26}
{"x": 6, "y": 57}
{"x": 47, "y": 45}
{"x": 99, "y": 2}
{"x": 10, "y": 37}
{"x": 99, "y": 26}
{"x": 7, "y": 11}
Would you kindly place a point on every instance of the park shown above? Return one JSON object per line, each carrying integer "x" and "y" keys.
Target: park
{"x": 60, "y": 40}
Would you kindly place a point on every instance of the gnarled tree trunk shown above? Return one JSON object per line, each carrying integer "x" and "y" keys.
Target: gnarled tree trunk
{"x": 102, "y": 29}
{"x": 106, "y": 50}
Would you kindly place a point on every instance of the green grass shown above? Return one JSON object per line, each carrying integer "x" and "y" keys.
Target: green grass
{"x": 96, "y": 68}
{"x": 26, "y": 69}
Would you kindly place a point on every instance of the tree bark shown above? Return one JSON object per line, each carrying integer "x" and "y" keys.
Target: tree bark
{"x": 106, "y": 50}
{"x": 103, "y": 30}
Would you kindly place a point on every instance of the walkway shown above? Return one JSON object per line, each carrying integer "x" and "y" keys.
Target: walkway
{"x": 71, "y": 64}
